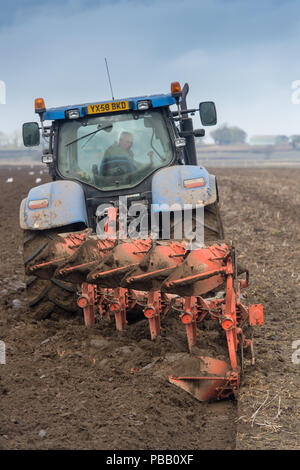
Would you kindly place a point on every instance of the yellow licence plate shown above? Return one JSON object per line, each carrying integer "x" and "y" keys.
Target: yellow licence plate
{"x": 108, "y": 107}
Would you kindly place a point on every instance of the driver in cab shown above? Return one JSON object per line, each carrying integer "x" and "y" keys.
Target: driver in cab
{"x": 123, "y": 149}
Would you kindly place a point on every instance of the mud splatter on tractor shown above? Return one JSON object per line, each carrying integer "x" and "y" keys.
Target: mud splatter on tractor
{"x": 97, "y": 238}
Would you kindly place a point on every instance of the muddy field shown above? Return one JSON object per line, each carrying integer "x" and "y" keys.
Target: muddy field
{"x": 66, "y": 387}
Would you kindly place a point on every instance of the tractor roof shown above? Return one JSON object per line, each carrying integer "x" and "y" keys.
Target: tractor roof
{"x": 157, "y": 101}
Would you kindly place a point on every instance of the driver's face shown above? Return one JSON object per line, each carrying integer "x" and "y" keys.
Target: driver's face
{"x": 126, "y": 142}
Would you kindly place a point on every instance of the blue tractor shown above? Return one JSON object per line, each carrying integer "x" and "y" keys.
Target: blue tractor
{"x": 100, "y": 151}
{"x": 113, "y": 163}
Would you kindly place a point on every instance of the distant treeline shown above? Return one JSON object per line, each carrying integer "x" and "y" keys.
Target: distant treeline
{"x": 13, "y": 140}
{"x": 225, "y": 135}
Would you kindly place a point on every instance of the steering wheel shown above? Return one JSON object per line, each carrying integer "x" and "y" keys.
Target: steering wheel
{"x": 116, "y": 166}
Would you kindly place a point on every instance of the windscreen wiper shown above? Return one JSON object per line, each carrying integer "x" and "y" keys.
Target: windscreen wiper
{"x": 91, "y": 133}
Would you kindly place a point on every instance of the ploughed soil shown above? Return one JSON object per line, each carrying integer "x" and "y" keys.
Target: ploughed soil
{"x": 67, "y": 387}
{"x": 261, "y": 213}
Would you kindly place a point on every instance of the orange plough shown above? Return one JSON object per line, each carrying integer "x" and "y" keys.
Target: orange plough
{"x": 194, "y": 285}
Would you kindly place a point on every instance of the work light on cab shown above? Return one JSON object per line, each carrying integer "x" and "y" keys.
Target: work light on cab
{"x": 143, "y": 105}
{"x": 180, "y": 142}
{"x": 47, "y": 158}
{"x": 73, "y": 114}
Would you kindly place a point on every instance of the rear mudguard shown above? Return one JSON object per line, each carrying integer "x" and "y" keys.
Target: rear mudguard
{"x": 177, "y": 185}
{"x": 63, "y": 201}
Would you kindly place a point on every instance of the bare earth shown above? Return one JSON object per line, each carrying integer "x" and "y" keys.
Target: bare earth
{"x": 66, "y": 387}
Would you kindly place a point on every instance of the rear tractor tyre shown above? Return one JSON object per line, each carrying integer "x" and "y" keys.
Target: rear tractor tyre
{"x": 45, "y": 297}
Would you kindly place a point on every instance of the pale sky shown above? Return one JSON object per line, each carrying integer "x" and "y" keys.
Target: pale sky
{"x": 242, "y": 54}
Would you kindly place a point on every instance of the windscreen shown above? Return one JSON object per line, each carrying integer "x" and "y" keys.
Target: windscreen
{"x": 116, "y": 151}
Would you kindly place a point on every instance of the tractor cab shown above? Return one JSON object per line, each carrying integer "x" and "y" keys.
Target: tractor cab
{"x": 114, "y": 151}
{"x": 117, "y": 145}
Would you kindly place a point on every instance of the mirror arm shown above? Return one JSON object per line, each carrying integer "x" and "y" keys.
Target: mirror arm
{"x": 175, "y": 113}
{"x": 45, "y": 129}
{"x": 196, "y": 133}
{"x": 185, "y": 133}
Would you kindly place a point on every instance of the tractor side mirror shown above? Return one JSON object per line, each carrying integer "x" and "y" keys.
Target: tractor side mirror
{"x": 208, "y": 113}
{"x": 31, "y": 134}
